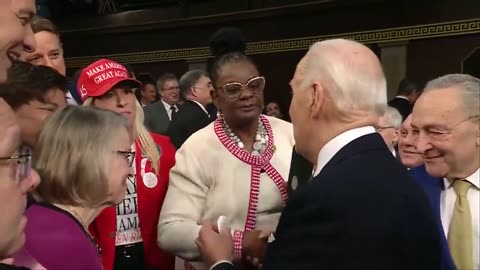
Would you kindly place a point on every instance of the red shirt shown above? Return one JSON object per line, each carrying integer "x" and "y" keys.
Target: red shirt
{"x": 150, "y": 200}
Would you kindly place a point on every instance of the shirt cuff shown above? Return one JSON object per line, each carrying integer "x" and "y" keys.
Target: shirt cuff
{"x": 220, "y": 262}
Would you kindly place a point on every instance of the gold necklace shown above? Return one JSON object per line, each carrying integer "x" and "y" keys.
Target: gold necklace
{"x": 90, "y": 236}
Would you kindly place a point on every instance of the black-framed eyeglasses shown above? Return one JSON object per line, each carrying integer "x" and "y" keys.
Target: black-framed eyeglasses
{"x": 24, "y": 163}
{"x": 234, "y": 89}
{"x": 129, "y": 156}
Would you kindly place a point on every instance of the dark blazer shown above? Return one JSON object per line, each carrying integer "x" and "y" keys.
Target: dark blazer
{"x": 433, "y": 187}
{"x": 402, "y": 105}
{"x": 156, "y": 118}
{"x": 187, "y": 121}
{"x": 362, "y": 211}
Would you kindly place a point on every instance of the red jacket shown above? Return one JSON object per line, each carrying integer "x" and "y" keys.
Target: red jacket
{"x": 150, "y": 201}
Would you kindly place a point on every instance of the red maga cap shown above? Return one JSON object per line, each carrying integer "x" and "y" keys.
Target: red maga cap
{"x": 101, "y": 76}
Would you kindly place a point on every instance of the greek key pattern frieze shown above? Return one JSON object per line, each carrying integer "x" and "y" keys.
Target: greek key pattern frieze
{"x": 465, "y": 27}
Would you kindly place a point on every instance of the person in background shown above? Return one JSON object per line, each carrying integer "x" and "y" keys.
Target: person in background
{"x": 75, "y": 188}
{"x": 195, "y": 87}
{"x": 146, "y": 94}
{"x": 361, "y": 209}
{"x": 16, "y": 176}
{"x": 446, "y": 129}
{"x": 159, "y": 114}
{"x": 407, "y": 150}
{"x": 127, "y": 232}
{"x": 34, "y": 93}
{"x": 16, "y": 179}
{"x": 273, "y": 109}
{"x": 388, "y": 125}
{"x": 235, "y": 167}
{"x": 407, "y": 94}
{"x": 49, "y": 51}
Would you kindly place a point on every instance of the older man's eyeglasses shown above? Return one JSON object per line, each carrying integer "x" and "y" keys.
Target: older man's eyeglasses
{"x": 172, "y": 88}
{"x": 234, "y": 89}
{"x": 23, "y": 163}
{"x": 438, "y": 134}
{"x": 129, "y": 156}
{"x": 379, "y": 128}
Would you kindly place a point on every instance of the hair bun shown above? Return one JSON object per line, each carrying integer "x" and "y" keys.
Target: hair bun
{"x": 226, "y": 40}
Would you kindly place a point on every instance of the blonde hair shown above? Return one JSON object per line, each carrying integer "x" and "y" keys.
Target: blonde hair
{"x": 148, "y": 146}
{"x": 72, "y": 153}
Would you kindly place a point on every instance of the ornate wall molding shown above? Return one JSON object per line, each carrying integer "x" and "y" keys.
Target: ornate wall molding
{"x": 426, "y": 31}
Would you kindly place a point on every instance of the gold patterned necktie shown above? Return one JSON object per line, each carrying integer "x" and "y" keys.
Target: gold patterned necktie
{"x": 460, "y": 234}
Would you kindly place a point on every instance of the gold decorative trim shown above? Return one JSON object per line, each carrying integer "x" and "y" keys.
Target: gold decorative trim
{"x": 454, "y": 28}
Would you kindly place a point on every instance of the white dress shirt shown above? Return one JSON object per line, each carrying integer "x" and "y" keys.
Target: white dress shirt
{"x": 337, "y": 143}
{"x": 70, "y": 99}
{"x": 403, "y": 97}
{"x": 447, "y": 204}
{"x": 201, "y": 106}
{"x": 169, "y": 110}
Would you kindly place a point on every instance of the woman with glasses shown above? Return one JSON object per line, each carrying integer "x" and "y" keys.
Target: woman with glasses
{"x": 127, "y": 232}
{"x": 236, "y": 167}
{"x": 83, "y": 158}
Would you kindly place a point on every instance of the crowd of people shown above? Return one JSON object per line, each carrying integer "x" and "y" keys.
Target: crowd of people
{"x": 118, "y": 172}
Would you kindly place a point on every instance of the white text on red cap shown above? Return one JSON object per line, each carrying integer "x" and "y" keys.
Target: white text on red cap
{"x": 120, "y": 72}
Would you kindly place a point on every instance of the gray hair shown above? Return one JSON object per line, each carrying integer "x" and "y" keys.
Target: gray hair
{"x": 71, "y": 155}
{"x": 356, "y": 80}
{"x": 392, "y": 117}
{"x": 189, "y": 79}
{"x": 468, "y": 85}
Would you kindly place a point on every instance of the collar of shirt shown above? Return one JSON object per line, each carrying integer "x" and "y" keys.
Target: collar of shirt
{"x": 474, "y": 179}
{"x": 167, "y": 106}
{"x": 201, "y": 106}
{"x": 70, "y": 99}
{"x": 404, "y": 97}
{"x": 337, "y": 143}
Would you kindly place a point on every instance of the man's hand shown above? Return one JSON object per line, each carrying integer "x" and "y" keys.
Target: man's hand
{"x": 213, "y": 245}
{"x": 254, "y": 246}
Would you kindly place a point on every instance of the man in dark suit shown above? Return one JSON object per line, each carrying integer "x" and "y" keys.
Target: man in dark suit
{"x": 407, "y": 94}
{"x": 446, "y": 130}
{"x": 159, "y": 114}
{"x": 433, "y": 187}
{"x": 195, "y": 87}
{"x": 361, "y": 210}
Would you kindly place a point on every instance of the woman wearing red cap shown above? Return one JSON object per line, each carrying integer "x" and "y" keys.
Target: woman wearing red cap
{"x": 127, "y": 233}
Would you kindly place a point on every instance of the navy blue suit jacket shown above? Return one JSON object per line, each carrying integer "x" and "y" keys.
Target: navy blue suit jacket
{"x": 433, "y": 187}
{"x": 363, "y": 211}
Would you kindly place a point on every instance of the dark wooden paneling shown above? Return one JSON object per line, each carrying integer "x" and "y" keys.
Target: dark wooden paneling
{"x": 278, "y": 69}
{"x": 157, "y": 69}
{"x": 431, "y": 58}
{"x": 132, "y": 32}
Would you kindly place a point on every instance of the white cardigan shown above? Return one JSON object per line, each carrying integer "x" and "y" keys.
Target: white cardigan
{"x": 208, "y": 181}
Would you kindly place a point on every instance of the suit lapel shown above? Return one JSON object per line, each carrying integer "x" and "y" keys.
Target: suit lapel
{"x": 162, "y": 111}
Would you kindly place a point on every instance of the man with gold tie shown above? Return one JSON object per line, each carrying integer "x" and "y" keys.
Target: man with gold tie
{"x": 446, "y": 126}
